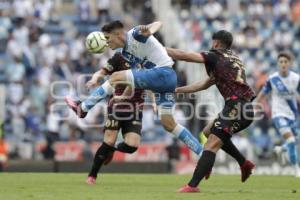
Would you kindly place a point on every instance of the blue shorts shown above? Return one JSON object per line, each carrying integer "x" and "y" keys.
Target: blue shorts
{"x": 284, "y": 125}
{"x": 161, "y": 80}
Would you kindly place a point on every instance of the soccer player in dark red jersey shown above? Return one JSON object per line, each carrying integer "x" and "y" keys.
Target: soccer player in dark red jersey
{"x": 124, "y": 112}
{"x": 227, "y": 72}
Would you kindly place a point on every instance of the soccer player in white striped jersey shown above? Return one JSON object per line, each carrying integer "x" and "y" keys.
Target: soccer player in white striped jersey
{"x": 283, "y": 87}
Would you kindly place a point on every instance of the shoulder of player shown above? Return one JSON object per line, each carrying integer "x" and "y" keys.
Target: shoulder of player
{"x": 210, "y": 53}
{"x": 134, "y": 33}
{"x": 274, "y": 74}
{"x": 294, "y": 74}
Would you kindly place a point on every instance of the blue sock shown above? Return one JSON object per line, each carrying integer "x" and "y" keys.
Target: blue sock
{"x": 292, "y": 150}
{"x": 96, "y": 96}
{"x": 187, "y": 137}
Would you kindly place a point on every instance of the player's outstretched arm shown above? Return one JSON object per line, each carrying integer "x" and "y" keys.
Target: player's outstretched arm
{"x": 96, "y": 78}
{"x": 197, "y": 86}
{"x": 178, "y": 54}
{"x": 259, "y": 99}
{"x": 150, "y": 29}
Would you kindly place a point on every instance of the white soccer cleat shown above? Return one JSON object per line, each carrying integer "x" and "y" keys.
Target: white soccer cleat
{"x": 281, "y": 154}
{"x": 297, "y": 171}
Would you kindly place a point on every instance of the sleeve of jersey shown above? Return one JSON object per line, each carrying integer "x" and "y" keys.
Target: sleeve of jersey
{"x": 137, "y": 36}
{"x": 267, "y": 87}
{"x": 209, "y": 60}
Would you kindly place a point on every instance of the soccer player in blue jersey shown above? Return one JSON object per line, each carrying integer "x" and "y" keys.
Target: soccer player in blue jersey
{"x": 139, "y": 46}
{"x": 283, "y": 87}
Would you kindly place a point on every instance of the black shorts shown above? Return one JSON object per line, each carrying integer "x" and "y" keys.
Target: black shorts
{"x": 126, "y": 121}
{"x": 236, "y": 115}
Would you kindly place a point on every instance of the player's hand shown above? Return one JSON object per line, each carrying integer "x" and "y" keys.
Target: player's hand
{"x": 91, "y": 83}
{"x": 144, "y": 30}
{"x": 177, "y": 90}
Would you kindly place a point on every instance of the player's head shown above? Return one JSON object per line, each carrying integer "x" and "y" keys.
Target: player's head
{"x": 284, "y": 61}
{"x": 114, "y": 33}
{"x": 222, "y": 40}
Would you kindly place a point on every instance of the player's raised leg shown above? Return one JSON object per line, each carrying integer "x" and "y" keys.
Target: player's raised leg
{"x": 98, "y": 94}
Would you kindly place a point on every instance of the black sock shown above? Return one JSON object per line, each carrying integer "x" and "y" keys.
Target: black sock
{"x": 125, "y": 148}
{"x": 231, "y": 149}
{"x": 103, "y": 151}
{"x": 204, "y": 165}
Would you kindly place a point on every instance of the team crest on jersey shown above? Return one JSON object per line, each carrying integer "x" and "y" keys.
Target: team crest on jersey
{"x": 280, "y": 86}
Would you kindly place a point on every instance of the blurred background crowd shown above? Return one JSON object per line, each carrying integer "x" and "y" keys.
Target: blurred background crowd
{"x": 43, "y": 58}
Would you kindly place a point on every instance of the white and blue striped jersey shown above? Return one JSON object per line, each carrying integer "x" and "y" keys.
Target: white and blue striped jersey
{"x": 283, "y": 92}
{"x": 147, "y": 51}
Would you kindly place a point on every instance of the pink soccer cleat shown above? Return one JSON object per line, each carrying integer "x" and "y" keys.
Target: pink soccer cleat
{"x": 91, "y": 180}
{"x": 246, "y": 170}
{"x": 75, "y": 106}
{"x": 188, "y": 189}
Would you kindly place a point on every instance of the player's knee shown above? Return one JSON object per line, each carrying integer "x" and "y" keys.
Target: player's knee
{"x": 206, "y": 131}
{"x": 288, "y": 136}
{"x": 168, "y": 123}
{"x": 213, "y": 143}
{"x": 116, "y": 76}
{"x": 110, "y": 140}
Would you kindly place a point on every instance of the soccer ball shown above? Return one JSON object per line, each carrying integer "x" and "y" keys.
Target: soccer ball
{"x": 95, "y": 42}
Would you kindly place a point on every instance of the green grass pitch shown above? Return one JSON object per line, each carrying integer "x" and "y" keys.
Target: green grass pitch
{"x": 68, "y": 186}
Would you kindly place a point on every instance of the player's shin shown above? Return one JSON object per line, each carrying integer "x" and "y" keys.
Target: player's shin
{"x": 97, "y": 95}
{"x": 292, "y": 150}
{"x": 204, "y": 165}
{"x": 187, "y": 137}
{"x": 102, "y": 153}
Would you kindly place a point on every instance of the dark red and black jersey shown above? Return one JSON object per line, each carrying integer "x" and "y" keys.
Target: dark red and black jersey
{"x": 119, "y": 63}
{"x": 229, "y": 73}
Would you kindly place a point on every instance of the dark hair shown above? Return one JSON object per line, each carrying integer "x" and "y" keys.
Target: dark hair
{"x": 224, "y": 37}
{"x": 111, "y": 26}
{"x": 285, "y": 54}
